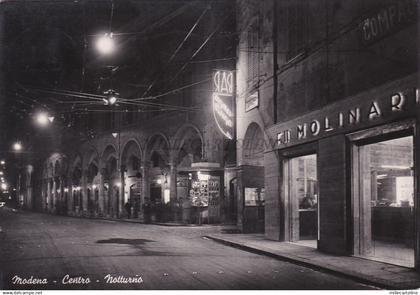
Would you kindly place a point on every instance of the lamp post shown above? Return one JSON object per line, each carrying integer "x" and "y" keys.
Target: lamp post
{"x": 121, "y": 183}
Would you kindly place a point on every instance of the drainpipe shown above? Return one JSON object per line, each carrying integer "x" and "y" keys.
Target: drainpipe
{"x": 275, "y": 64}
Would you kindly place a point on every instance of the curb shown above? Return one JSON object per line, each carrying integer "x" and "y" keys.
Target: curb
{"x": 136, "y": 221}
{"x": 372, "y": 281}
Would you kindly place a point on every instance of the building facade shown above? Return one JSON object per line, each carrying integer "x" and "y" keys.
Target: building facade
{"x": 157, "y": 154}
{"x": 330, "y": 91}
{"x": 153, "y": 174}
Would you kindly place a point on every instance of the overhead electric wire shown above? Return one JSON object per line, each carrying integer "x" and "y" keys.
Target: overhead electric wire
{"x": 171, "y": 91}
{"x": 160, "y": 105}
{"x": 199, "y": 49}
{"x": 158, "y": 23}
{"x": 33, "y": 100}
{"x": 71, "y": 93}
{"x": 177, "y": 49}
{"x": 97, "y": 99}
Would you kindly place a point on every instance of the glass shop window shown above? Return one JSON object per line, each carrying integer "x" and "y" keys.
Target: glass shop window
{"x": 303, "y": 200}
{"x": 254, "y": 196}
{"x": 386, "y": 201}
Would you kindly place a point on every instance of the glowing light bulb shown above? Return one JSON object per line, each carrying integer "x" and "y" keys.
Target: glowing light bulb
{"x": 105, "y": 44}
{"x": 42, "y": 119}
{"x": 17, "y": 146}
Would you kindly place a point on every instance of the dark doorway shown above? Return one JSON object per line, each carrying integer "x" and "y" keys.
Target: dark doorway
{"x": 155, "y": 194}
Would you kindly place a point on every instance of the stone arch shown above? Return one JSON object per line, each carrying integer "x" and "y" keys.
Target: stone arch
{"x": 91, "y": 156}
{"x": 182, "y": 134}
{"x": 91, "y": 163}
{"x": 76, "y": 161}
{"x": 190, "y": 146}
{"x": 159, "y": 145}
{"x": 110, "y": 161}
{"x": 50, "y": 172}
{"x": 131, "y": 152}
{"x": 253, "y": 145}
{"x": 45, "y": 170}
{"x": 110, "y": 150}
{"x": 92, "y": 171}
{"x": 76, "y": 171}
{"x": 57, "y": 168}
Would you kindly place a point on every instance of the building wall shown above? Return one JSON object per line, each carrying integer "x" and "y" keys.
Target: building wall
{"x": 334, "y": 63}
{"x": 324, "y": 59}
{"x": 174, "y": 130}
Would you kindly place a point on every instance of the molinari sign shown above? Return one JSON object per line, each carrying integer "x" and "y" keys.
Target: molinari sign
{"x": 348, "y": 116}
{"x": 223, "y": 103}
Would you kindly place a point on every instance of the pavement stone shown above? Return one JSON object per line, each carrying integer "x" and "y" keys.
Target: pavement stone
{"x": 375, "y": 273}
{"x": 95, "y": 248}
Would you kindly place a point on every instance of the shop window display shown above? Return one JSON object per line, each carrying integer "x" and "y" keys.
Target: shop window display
{"x": 303, "y": 196}
{"x": 386, "y": 196}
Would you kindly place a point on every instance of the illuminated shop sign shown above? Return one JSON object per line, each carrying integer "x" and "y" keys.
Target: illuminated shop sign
{"x": 223, "y": 102}
{"x": 387, "y": 20}
{"x": 334, "y": 120}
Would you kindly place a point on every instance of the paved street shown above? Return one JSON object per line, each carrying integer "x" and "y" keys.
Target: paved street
{"x": 50, "y": 247}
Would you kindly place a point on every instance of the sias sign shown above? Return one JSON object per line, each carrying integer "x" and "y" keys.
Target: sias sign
{"x": 223, "y": 103}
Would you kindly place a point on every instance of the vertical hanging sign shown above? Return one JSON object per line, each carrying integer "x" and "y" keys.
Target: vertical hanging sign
{"x": 223, "y": 102}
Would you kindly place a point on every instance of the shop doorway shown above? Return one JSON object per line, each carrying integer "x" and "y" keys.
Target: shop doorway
{"x": 233, "y": 206}
{"x": 384, "y": 213}
{"x": 302, "y": 189}
{"x": 156, "y": 194}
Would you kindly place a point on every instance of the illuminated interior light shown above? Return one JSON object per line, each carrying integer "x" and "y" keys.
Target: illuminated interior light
{"x": 202, "y": 176}
{"x": 395, "y": 167}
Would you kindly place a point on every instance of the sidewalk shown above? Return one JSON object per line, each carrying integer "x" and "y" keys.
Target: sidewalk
{"x": 382, "y": 275}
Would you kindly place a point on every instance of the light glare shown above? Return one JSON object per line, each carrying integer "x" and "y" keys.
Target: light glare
{"x": 17, "y": 146}
{"x": 105, "y": 44}
{"x": 42, "y": 119}
{"x": 112, "y": 100}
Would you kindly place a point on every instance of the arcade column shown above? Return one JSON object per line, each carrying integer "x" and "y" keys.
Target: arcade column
{"x": 121, "y": 192}
{"x": 101, "y": 198}
{"x": 84, "y": 193}
{"x": 172, "y": 182}
{"x": 48, "y": 195}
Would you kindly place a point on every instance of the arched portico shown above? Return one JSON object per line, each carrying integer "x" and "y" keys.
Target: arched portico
{"x": 157, "y": 179}
{"x": 132, "y": 183}
{"x": 250, "y": 183}
{"x": 112, "y": 182}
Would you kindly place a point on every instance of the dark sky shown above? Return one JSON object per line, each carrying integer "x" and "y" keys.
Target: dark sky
{"x": 50, "y": 46}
